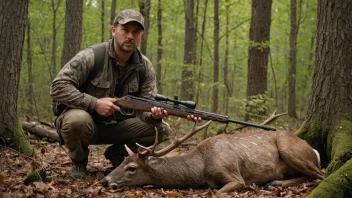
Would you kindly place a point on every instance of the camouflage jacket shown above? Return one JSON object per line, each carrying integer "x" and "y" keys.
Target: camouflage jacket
{"x": 71, "y": 89}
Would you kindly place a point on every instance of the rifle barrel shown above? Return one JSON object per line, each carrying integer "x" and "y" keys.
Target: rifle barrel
{"x": 253, "y": 125}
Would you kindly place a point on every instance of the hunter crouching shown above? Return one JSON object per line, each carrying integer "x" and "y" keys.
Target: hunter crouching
{"x": 85, "y": 89}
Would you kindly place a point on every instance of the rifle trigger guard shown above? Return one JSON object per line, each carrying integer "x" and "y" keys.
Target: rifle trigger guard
{"x": 123, "y": 112}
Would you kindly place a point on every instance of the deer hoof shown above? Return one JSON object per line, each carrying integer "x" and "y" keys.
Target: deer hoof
{"x": 273, "y": 183}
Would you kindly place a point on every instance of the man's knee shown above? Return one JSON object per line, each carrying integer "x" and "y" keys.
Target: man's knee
{"x": 77, "y": 122}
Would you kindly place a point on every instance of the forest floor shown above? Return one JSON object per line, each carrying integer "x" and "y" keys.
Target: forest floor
{"x": 52, "y": 158}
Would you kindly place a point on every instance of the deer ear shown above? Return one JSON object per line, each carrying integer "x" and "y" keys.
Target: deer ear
{"x": 155, "y": 162}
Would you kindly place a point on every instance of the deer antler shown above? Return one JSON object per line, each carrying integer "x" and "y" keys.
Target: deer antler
{"x": 150, "y": 148}
{"x": 129, "y": 151}
{"x": 273, "y": 117}
{"x": 177, "y": 142}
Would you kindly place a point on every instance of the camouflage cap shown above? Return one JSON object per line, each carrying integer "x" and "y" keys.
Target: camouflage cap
{"x": 129, "y": 15}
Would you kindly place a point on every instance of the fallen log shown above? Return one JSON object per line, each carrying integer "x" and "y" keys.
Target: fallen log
{"x": 37, "y": 129}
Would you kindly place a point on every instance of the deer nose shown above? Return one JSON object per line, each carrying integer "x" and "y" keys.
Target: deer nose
{"x": 113, "y": 186}
{"x": 104, "y": 182}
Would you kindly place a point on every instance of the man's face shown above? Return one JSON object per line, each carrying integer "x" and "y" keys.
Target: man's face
{"x": 128, "y": 36}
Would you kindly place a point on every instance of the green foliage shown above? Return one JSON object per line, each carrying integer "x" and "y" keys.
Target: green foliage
{"x": 15, "y": 138}
{"x": 257, "y": 105}
{"x": 340, "y": 143}
{"x": 338, "y": 184}
{"x": 34, "y": 175}
{"x": 336, "y": 135}
{"x": 259, "y": 45}
{"x": 315, "y": 132}
{"x": 173, "y": 22}
{"x": 279, "y": 44}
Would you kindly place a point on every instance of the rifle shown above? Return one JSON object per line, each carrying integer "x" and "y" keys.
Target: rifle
{"x": 177, "y": 108}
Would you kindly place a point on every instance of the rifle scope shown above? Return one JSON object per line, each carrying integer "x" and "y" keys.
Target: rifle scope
{"x": 189, "y": 104}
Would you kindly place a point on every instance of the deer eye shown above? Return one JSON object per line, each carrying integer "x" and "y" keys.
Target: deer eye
{"x": 131, "y": 169}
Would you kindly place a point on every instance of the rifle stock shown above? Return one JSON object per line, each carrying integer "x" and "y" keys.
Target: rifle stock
{"x": 144, "y": 104}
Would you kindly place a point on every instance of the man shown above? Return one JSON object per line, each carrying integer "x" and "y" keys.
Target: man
{"x": 89, "y": 115}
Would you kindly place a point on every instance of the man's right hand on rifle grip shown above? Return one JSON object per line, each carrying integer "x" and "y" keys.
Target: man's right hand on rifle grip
{"x": 106, "y": 106}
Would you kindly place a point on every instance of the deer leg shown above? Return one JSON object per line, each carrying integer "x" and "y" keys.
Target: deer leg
{"x": 231, "y": 186}
{"x": 233, "y": 182}
{"x": 287, "y": 183}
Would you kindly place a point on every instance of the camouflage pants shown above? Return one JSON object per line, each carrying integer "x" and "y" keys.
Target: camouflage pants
{"x": 78, "y": 130}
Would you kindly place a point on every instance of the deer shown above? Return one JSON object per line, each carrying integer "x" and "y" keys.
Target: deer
{"x": 228, "y": 162}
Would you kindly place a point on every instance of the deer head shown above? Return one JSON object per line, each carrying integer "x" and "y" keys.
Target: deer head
{"x": 140, "y": 168}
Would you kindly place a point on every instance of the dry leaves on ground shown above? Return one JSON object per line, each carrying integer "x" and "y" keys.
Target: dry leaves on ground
{"x": 52, "y": 159}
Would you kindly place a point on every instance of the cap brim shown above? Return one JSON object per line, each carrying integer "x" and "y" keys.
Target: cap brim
{"x": 131, "y": 20}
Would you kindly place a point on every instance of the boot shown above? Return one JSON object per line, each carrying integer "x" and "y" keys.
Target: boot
{"x": 78, "y": 170}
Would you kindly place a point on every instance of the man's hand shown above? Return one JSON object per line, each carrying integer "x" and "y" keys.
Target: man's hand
{"x": 106, "y": 107}
{"x": 158, "y": 112}
{"x": 193, "y": 118}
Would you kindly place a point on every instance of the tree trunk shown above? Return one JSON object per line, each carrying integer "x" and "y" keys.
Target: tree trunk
{"x": 292, "y": 61}
{"x": 187, "y": 71}
{"x": 54, "y": 9}
{"x": 216, "y": 58}
{"x": 159, "y": 49}
{"x": 73, "y": 30}
{"x": 228, "y": 90}
{"x": 200, "y": 78}
{"x": 144, "y": 6}
{"x": 194, "y": 57}
{"x": 306, "y": 84}
{"x": 13, "y": 21}
{"x": 259, "y": 49}
{"x": 198, "y": 90}
{"x": 329, "y": 117}
{"x": 30, "y": 94}
{"x": 112, "y": 13}
{"x": 102, "y": 20}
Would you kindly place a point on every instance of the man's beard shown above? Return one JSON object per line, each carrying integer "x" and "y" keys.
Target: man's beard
{"x": 124, "y": 48}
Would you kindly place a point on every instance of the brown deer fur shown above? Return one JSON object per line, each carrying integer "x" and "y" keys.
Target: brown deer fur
{"x": 228, "y": 162}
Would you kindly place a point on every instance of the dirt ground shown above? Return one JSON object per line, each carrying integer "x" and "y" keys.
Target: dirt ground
{"x": 54, "y": 180}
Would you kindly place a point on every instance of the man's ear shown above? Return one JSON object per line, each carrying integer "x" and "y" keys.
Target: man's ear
{"x": 113, "y": 30}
